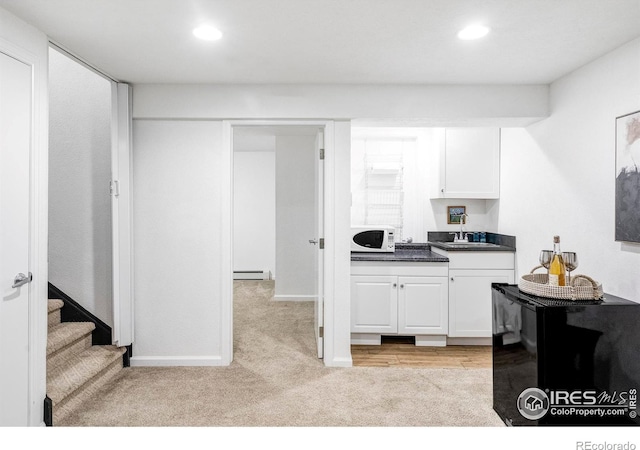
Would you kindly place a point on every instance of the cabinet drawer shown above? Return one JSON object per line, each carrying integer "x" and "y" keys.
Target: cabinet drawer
{"x": 481, "y": 260}
{"x": 399, "y": 268}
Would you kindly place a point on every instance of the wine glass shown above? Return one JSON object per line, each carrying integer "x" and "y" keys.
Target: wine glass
{"x": 545, "y": 258}
{"x": 571, "y": 262}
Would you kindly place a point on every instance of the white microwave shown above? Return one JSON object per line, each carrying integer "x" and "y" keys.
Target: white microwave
{"x": 372, "y": 239}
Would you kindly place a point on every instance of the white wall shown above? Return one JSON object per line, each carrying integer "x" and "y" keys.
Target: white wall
{"x": 516, "y": 105}
{"x": 295, "y": 217}
{"x": 421, "y": 212}
{"x": 80, "y": 254}
{"x": 178, "y": 172}
{"x": 558, "y": 175}
{"x": 254, "y": 211}
{"x": 22, "y": 41}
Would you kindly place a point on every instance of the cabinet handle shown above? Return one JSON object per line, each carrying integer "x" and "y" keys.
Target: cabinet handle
{"x": 395, "y": 285}
{"x": 402, "y": 286}
{"x": 442, "y": 190}
{"x": 452, "y": 279}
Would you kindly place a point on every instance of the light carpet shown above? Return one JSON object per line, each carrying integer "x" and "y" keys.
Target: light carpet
{"x": 276, "y": 380}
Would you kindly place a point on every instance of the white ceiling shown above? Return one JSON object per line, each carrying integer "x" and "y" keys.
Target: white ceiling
{"x": 335, "y": 41}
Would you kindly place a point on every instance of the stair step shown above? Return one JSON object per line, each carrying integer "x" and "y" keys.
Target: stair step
{"x": 66, "y": 340}
{"x": 82, "y": 371}
{"x": 66, "y": 333}
{"x": 54, "y": 306}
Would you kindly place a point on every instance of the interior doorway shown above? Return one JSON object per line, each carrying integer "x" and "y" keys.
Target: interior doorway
{"x": 278, "y": 218}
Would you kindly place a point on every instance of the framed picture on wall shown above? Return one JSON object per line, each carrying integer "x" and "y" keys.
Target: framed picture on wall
{"x": 627, "y": 210}
{"x": 454, "y": 213}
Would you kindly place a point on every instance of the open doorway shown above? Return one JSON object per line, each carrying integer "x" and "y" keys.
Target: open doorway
{"x": 277, "y": 236}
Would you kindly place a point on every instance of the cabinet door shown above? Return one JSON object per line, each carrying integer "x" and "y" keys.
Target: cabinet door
{"x": 470, "y": 163}
{"x": 423, "y": 305}
{"x": 374, "y": 304}
{"x": 470, "y": 312}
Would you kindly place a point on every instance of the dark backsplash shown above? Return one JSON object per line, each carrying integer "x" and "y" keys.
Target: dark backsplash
{"x": 492, "y": 238}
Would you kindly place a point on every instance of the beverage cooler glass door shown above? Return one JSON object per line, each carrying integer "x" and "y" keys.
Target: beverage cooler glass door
{"x": 515, "y": 355}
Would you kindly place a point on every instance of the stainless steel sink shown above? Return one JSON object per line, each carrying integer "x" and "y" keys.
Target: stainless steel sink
{"x": 467, "y": 244}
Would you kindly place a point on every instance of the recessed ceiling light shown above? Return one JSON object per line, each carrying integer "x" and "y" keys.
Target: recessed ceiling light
{"x": 473, "y": 32}
{"x": 207, "y": 33}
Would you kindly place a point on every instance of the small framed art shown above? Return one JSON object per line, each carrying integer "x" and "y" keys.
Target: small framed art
{"x": 454, "y": 213}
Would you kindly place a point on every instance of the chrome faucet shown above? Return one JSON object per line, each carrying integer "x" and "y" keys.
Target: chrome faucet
{"x": 462, "y": 236}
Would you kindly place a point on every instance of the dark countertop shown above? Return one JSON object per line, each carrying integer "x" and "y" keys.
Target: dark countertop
{"x": 461, "y": 247}
{"x": 403, "y": 253}
{"x": 495, "y": 243}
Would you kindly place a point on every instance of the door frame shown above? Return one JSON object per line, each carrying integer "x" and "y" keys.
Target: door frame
{"x": 38, "y": 228}
{"x": 121, "y": 213}
{"x": 226, "y": 229}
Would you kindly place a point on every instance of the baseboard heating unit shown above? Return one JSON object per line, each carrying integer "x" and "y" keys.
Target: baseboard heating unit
{"x": 251, "y": 274}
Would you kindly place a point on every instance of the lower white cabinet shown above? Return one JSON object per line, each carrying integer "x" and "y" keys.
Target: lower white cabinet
{"x": 422, "y": 305}
{"x": 404, "y": 305}
{"x": 374, "y": 304}
{"x": 470, "y": 311}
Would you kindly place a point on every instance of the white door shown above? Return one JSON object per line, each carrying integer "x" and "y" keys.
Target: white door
{"x": 319, "y": 233}
{"x": 15, "y": 137}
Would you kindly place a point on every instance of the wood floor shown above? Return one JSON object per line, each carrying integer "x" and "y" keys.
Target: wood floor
{"x": 403, "y": 353}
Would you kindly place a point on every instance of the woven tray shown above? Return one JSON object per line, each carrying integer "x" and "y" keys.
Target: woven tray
{"x": 582, "y": 287}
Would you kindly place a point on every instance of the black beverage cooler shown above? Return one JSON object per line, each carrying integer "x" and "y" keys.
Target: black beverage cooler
{"x": 562, "y": 362}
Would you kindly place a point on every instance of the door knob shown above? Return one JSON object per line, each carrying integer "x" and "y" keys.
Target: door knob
{"x": 313, "y": 241}
{"x": 21, "y": 279}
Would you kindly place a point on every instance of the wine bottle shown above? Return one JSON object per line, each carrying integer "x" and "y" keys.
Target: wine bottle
{"x": 557, "y": 268}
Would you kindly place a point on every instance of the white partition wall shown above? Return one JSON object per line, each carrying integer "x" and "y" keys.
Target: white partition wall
{"x": 80, "y": 252}
{"x": 295, "y": 217}
{"x": 178, "y": 169}
{"x": 254, "y": 211}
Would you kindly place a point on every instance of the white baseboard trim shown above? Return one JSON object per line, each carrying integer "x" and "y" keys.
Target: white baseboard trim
{"x": 175, "y": 361}
{"x": 339, "y": 362}
{"x": 366, "y": 339}
{"x": 252, "y": 275}
{"x": 470, "y": 341}
{"x": 294, "y": 298}
{"x": 431, "y": 341}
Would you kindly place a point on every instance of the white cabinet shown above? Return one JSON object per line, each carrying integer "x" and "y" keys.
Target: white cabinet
{"x": 469, "y": 163}
{"x": 470, "y": 276}
{"x": 399, "y": 299}
{"x": 422, "y": 305}
{"x": 374, "y": 304}
{"x": 470, "y": 313}
{"x": 399, "y": 305}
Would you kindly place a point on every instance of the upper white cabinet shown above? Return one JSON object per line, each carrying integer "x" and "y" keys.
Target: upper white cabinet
{"x": 469, "y": 163}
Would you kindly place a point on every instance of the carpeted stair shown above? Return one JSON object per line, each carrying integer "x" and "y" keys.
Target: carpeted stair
{"x": 75, "y": 368}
